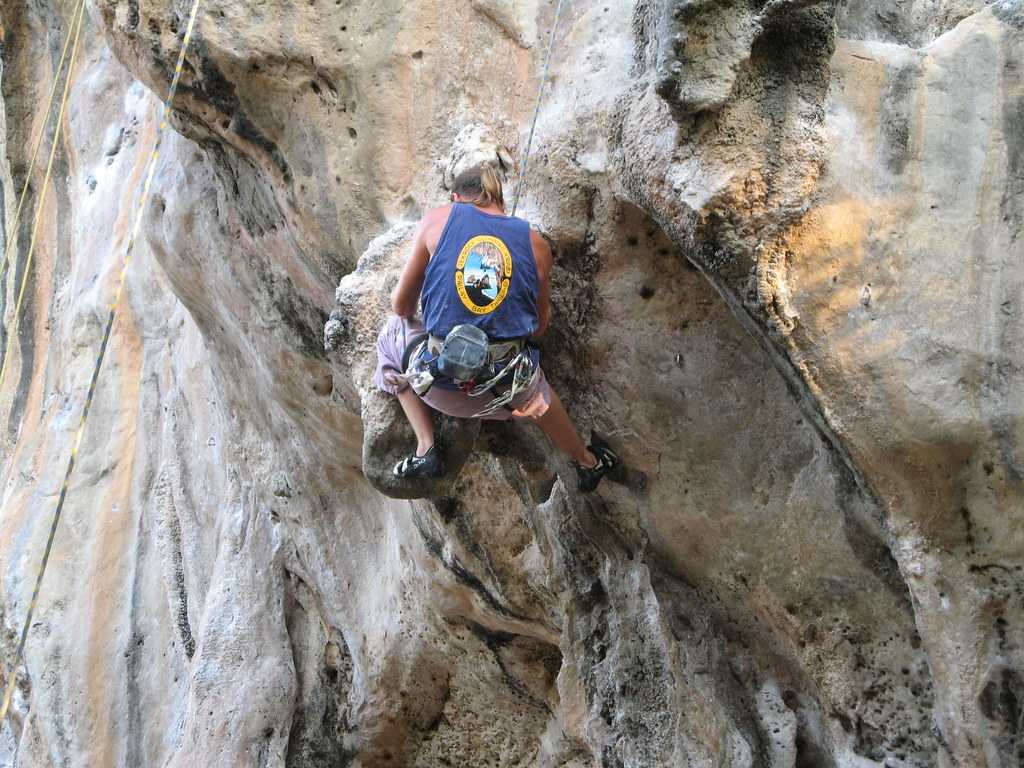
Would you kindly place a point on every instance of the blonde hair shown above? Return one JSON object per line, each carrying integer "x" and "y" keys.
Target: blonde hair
{"x": 482, "y": 185}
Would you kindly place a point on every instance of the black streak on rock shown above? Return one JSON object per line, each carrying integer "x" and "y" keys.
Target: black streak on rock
{"x": 223, "y": 95}
{"x": 133, "y": 15}
{"x": 462, "y": 575}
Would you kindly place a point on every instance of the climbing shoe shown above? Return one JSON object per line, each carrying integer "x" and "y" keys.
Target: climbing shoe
{"x": 427, "y": 465}
{"x": 607, "y": 460}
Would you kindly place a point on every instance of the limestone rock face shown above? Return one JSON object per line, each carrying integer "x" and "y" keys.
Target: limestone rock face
{"x": 788, "y": 289}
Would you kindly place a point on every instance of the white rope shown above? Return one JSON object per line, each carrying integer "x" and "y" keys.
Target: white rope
{"x": 536, "y": 111}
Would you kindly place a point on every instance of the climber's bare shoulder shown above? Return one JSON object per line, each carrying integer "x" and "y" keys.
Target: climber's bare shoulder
{"x": 541, "y": 254}
{"x": 432, "y": 227}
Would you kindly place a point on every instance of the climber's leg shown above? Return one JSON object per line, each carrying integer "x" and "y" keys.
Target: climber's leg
{"x": 539, "y": 403}
{"x": 592, "y": 462}
{"x": 559, "y": 427}
{"x": 421, "y": 417}
{"x": 394, "y": 339}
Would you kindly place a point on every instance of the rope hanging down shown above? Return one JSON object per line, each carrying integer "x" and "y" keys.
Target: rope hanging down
{"x": 536, "y": 110}
{"x": 9, "y": 691}
{"x": 74, "y": 30}
{"x": 37, "y": 145}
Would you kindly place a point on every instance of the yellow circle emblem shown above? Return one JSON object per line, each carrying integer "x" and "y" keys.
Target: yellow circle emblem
{"x": 483, "y": 273}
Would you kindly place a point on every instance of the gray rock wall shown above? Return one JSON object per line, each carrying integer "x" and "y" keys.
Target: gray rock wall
{"x": 788, "y": 270}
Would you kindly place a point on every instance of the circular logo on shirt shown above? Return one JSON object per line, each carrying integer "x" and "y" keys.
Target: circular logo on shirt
{"x": 483, "y": 273}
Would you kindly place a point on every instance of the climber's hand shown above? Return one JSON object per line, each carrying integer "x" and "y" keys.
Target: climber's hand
{"x": 534, "y": 409}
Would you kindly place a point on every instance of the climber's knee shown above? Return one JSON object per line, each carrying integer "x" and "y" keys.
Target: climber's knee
{"x": 396, "y": 339}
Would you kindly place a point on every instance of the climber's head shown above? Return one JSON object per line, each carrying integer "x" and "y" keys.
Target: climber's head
{"x": 480, "y": 185}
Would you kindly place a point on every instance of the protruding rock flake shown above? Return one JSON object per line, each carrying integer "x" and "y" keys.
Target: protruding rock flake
{"x": 788, "y": 290}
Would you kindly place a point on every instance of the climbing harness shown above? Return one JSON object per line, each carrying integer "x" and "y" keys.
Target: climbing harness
{"x": 12, "y": 333}
{"x": 524, "y": 374}
{"x": 496, "y": 350}
{"x": 464, "y": 353}
{"x": 463, "y": 358}
{"x": 126, "y": 260}
{"x": 536, "y": 110}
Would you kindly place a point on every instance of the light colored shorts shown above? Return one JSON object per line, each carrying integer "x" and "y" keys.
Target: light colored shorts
{"x": 396, "y": 335}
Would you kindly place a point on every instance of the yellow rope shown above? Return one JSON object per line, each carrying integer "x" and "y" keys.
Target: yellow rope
{"x": 12, "y": 674}
{"x": 13, "y": 229}
{"x": 12, "y": 331}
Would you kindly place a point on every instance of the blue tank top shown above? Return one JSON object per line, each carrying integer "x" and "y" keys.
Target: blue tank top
{"x": 482, "y": 273}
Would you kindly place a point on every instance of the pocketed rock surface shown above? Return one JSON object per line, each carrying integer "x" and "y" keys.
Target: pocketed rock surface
{"x": 789, "y": 290}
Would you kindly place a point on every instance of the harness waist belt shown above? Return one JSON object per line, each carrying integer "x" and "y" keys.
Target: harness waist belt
{"x": 496, "y": 351}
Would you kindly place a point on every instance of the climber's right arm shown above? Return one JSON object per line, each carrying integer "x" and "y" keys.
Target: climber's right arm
{"x": 543, "y": 258}
{"x": 406, "y": 296}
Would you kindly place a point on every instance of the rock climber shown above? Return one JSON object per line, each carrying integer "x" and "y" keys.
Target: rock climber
{"x": 483, "y": 279}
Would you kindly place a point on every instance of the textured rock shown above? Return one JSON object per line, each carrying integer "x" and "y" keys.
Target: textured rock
{"x": 788, "y": 269}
